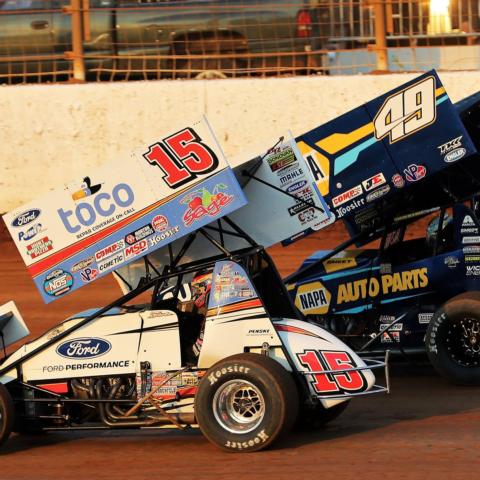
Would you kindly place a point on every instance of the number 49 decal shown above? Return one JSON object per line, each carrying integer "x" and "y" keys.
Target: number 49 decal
{"x": 407, "y": 112}
{"x": 182, "y": 157}
{"x": 324, "y": 361}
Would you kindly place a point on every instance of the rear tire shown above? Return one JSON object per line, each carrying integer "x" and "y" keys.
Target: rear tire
{"x": 245, "y": 402}
{"x": 7, "y": 414}
{"x": 453, "y": 339}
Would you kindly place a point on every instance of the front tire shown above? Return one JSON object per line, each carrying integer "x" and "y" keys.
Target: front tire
{"x": 245, "y": 402}
{"x": 453, "y": 339}
{"x": 7, "y": 414}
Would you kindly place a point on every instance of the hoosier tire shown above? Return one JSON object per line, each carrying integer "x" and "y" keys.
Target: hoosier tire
{"x": 453, "y": 339}
{"x": 245, "y": 402}
{"x": 7, "y": 414}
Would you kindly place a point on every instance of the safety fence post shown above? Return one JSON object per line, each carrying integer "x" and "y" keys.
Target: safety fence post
{"x": 381, "y": 35}
{"x": 75, "y": 11}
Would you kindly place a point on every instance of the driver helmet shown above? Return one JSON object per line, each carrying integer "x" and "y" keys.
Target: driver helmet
{"x": 432, "y": 228}
{"x": 201, "y": 286}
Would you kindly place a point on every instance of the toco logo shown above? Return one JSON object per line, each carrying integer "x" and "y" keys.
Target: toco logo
{"x": 81, "y": 348}
{"x": 104, "y": 204}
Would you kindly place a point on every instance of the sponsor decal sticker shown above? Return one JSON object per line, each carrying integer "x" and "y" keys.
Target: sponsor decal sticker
{"x": 380, "y": 192}
{"x": 136, "y": 249}
{"x": 414, "y": 172}
{"x": 390, "y": 337}
{"x": 387, "y": 284}
{"x": 387, "y": 318}
{"x": 467, "y": 240}
{"x": 81, "y": 348}
{"x": 451, "y": 262}
{"x": 103, "y": 205}
{"x": 306, "y": 216}
{"x": 453, "y": 144}
{"x": 203, "y": 203}
{"x": 288, "y": 177}
{"x": 473, "y": 270}
{"x": 160, "y": 223}
{"x": 347, "y": 196}
{"x": 26, "y": 217}
{"x": 86, "y": 366}
{"x": 39, "y": 247}
{"x": 472, "y": 258}
{"x": 162, "y": 236}
{"x": 88, "y": 275}
{"x": 470, "y": 230}
{"x": 300, "y": 185}
{"x": 81, "y": 264}
{"x": 468, "y": 221}
{"x": 342, "y": 211}
{"x": 424, "y": 318}
{"x": 313, "y": 298}
{"x": 139, "y": 234}
{"x": 385, "y": 268}
{"x": 455, "y": 155}
{"x": 398, "y": 327}
{"x": 281, "y": 159}
{"x": 111, "y": 262}
{"x": 373, "y": 182}
{"x": 472, "y": 249}
{"x": 398, "y": 181}
{"x": 258, "y": 331}
{"x": 110, "y": 250}
{"x": 58, "y": 283}
{"x": 86, "y": 189}
{"x": 31, "y": 232}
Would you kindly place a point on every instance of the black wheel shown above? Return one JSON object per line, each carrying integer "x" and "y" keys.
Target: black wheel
{"x": 245, "y": 402}
{"x": 453, "y": 339}
{"x": 316, "y": 417}
{"x": 7, "y": 414}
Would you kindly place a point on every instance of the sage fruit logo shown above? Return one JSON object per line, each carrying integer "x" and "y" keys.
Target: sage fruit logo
{"x": 80, "y": 348}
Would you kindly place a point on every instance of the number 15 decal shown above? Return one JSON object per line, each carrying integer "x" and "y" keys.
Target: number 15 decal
{"x": 407, "y": 111}
{"x": 182, "y": 157}
{"x": 324, "y": 383}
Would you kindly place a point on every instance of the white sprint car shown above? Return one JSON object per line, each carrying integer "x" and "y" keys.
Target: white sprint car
{"x": 237, "y": 364}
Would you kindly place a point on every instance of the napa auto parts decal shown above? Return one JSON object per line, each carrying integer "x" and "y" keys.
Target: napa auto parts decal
{"x": 363, "y": 156}
{"x": 132, "y": 205}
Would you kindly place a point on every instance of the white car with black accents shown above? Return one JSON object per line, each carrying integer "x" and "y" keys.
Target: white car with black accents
{"x": 256, "y": 371}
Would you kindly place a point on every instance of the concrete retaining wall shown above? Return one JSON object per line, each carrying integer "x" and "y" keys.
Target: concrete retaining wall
{"x": 50, "y": 134}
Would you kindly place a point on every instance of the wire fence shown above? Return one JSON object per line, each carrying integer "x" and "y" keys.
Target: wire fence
{"x": 68, "y": 40}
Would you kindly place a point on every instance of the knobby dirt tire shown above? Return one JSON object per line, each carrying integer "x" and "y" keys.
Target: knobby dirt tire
{"x": 264, "y": 387}
{"x": 447, "y": 345}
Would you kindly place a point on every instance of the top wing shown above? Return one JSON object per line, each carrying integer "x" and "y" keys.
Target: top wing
{"x": 374, "y": 162}
{"x": 131, "y": 206}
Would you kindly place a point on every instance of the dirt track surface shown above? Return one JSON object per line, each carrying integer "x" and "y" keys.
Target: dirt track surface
{"x": 425, "y": 428}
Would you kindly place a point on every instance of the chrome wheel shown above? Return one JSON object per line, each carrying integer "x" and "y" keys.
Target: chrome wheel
{"x": 463, "y": 342}
{"x": 238, "y": 406}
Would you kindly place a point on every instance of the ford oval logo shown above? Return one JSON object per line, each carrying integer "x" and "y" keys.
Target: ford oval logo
{"x": 84, "y": 348}
{"x": 26, "y": 217}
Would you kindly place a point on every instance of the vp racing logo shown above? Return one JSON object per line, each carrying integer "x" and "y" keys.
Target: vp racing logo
{"x": 84, "y": 348}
